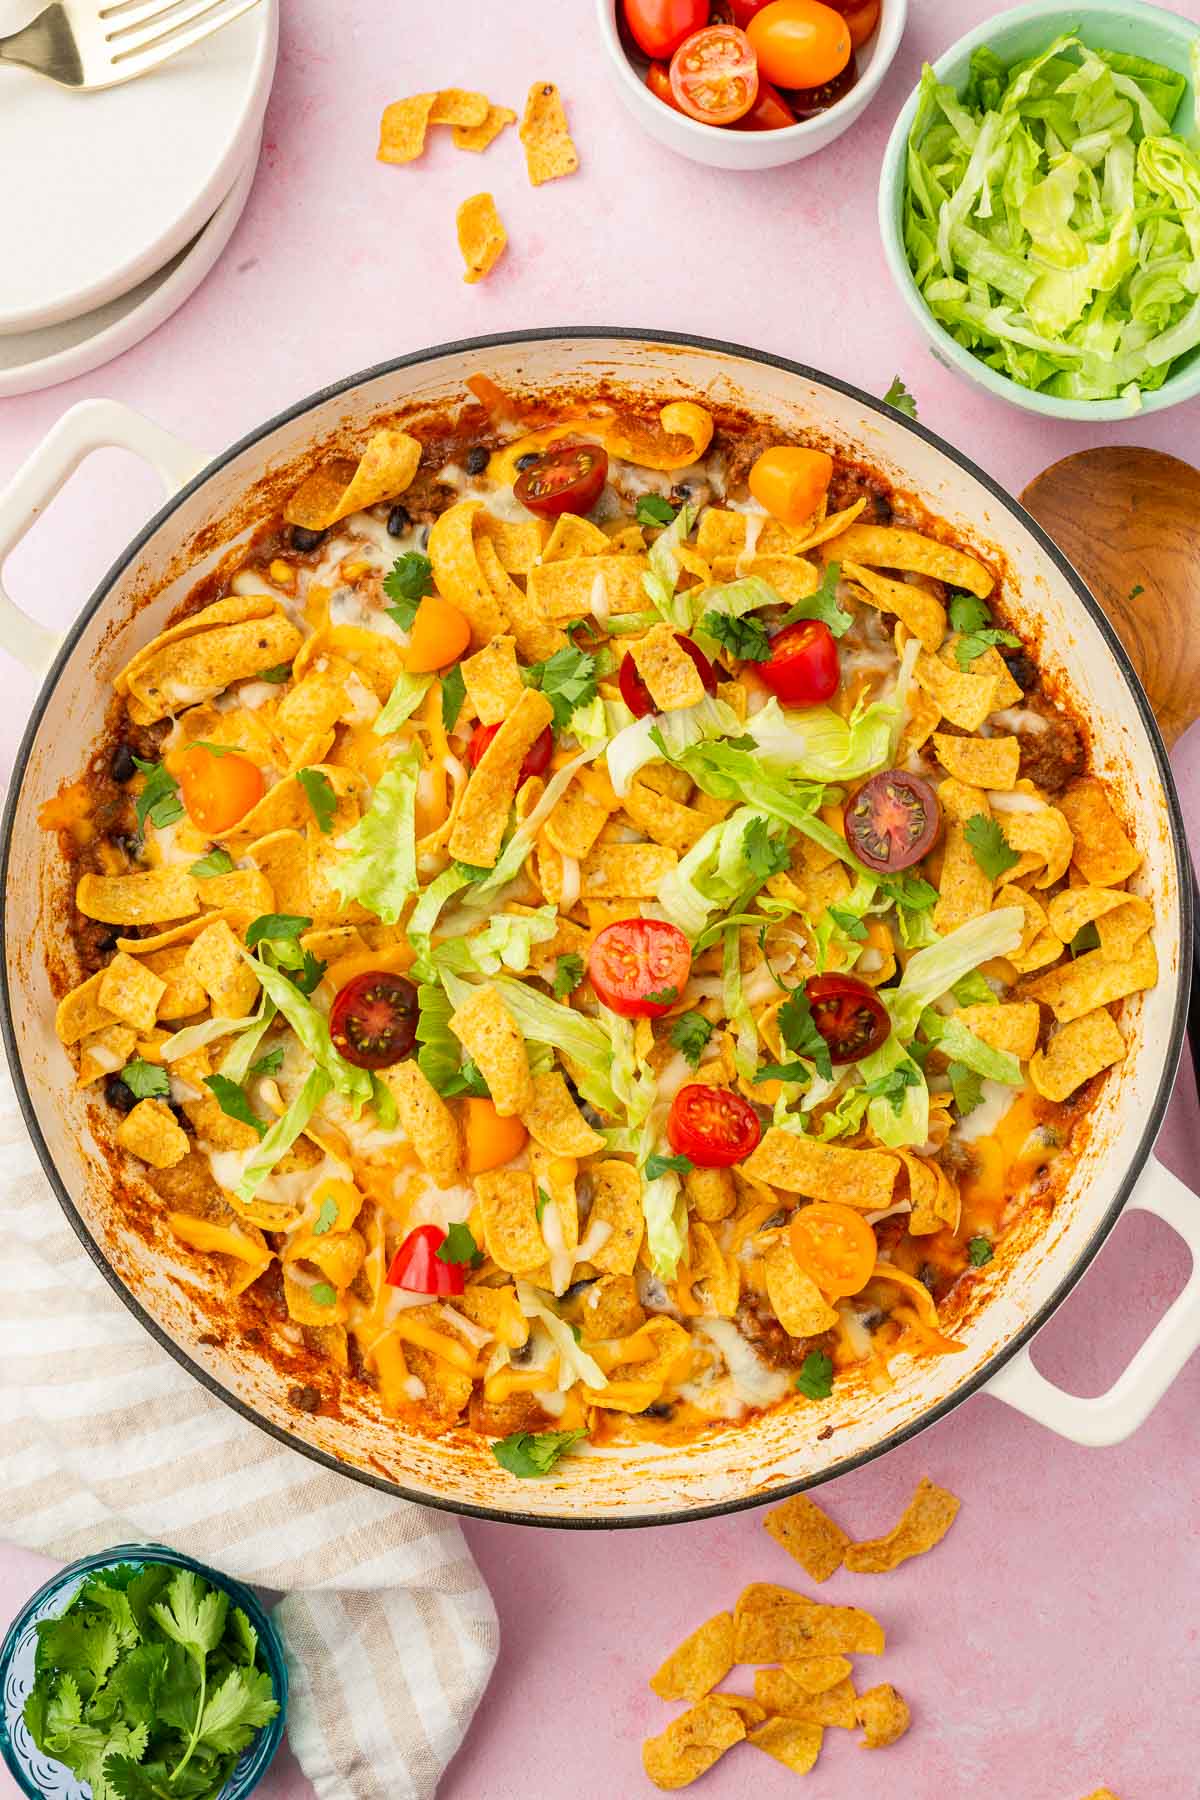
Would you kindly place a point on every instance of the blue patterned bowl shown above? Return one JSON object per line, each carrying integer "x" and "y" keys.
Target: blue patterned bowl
{"x": 40, "y": 1776}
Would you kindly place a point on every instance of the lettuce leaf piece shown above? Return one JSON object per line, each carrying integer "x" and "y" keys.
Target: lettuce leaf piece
{"x": 714, "y": 873}
{"x": 933, "y": 972}
{"x": 662, "y": 577}
{"x": 378, "y": 861}
{"x": 195, "y": 1037}
{"x": 667, "y": 734}
{"x": 574, "y": 1362}
{"x": 283, "y": 1133}
{"x": 547, "y": 1021}
{"x": 664, "y": 1209}
{"x": 424, "y": 916}
{"x": 897, "y": 1129}
{"x": 402, "y": 702}
{"x": 505, "y": 942}
{"x": 816, "y": 744}
{"x": 737, "y": 1009}
{"x": 962, "y": 1046}
{"x": 508, "y": 865}
{"x": 312, "y": 1028}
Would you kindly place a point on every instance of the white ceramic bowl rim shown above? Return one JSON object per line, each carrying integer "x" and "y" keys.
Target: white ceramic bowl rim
{"x": 1134, "y": 1156}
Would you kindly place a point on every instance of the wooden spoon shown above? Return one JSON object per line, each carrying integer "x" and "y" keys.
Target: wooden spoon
{"x": 1129, "y": 520}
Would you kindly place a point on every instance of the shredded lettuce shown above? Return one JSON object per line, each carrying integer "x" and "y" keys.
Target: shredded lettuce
{"x": 667, "y": 734}
{"x": 631, "y": 1078}
{"x": 547, "y": 1021}
{"x": 594, "y": 724}
{"x": 402, "y": 702}
{"x": 378, "y": 864}
{"x": 736, "y": 598}
{"x": 955, "y": 1041}
{"x": 312, "y": 1028}
{"x": 195, "y": 1037}
{"x": 283, "y": 1134}
{"x": 505, "y": 942}
{"x": 737, "y": 1010}
{"x": 508, "y": 867}
{"x": 574, "y": 1362}
{"x": 909, "y": 1125}
{"x": 933, "y": 972}
{"x": 817, "y": 744}
{"x": 664, "y": 1208}
{"x": 424, "y": 916}
{"x": 662, "y": 577}
{"x": 713, "y": 874}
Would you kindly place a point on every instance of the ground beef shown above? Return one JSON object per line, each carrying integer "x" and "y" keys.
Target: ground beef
{"x": 762, "y": 1329}
{"x": 850, "y": 484}
{"x": 1051, "y": 755}
{"x": 427, "y": 497}
{"x": 957, "y": 1158}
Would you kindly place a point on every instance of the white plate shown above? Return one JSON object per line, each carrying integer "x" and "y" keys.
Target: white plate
{"x": 103, "y": 189}
{"x": 30, "y": 360}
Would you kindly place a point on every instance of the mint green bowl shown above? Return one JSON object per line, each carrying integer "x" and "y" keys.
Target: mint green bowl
{"x": 1127, "y": 25}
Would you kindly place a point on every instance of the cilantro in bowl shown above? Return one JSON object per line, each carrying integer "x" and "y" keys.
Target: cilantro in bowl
{"x": 1052, "y": 219}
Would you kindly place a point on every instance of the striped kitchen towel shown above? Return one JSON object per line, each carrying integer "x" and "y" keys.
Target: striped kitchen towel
{"x": 391, "y": 1634}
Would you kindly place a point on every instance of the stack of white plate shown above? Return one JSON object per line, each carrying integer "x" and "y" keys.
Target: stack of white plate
{"x": 118, "y": 203}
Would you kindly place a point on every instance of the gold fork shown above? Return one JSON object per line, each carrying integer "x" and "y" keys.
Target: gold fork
{"x": 82, "y": 45}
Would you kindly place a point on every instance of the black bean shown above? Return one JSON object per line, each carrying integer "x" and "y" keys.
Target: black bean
{"x": 927, "y": 1275}
{"x": 305, "y": 540}
{"x": 658, "y": 1409}
{"x": 521, "y": 1353}
{"x": 399, "y": 520}
{"x": 128, "y": 843}
{"x": 477, "y": 459}
{"x": 118, "y": 1095}
{"x": 107, "y": 941}
{"x": 679, "y": 493}
{"x": 122, "y": 767}
{"x": 578, "y": 1287}
{"x": 1020, "y": 666}
{"x": 527, "y": 461}
{"x": 181, "y": 1117}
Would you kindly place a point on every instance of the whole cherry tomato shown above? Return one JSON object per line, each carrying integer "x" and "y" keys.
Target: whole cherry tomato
{"x": 639, "y": 967}
{"x": 892, "y": 821}
{"x": 714, "y": 75}
{"x": 219, "y": 786}
{"x": 636, "y": 694}
{"x": 658, "y": 80}
{"x": 713, "y": 1127}
{"x": 742, "y": 11}
{"x": 803, "y": 669}
{"x": 373, "y": 1020}
{"x": 537, "y": 757}
{"x": 565, "y": 478}
{"x": 799, "y": 43}
{"x": 419, "y": 1269}
{"x": 835, "y": 1245}
{"x": 849, "y": 1015}
{"x": 861, "y": 16}
{"x": 770, "y": 111}
{"x": 658, "y": 27}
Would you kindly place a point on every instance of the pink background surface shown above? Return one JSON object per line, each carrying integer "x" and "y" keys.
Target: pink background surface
{"x": 1050, "y": 1644}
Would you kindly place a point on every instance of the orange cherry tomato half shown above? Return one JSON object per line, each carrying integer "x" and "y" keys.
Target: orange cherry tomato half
{"x": 714, "y": 75}
{"x": 803, "y": 669}
{"x": 713, "y": 1127}
{"x": 440, "y": 633}
{"x": 770, "y": 111}
{"x": 658, "y": 80}
{"x": 861, "y": 16}
{"x": 490, "y": 1141}
{"x": 537, "y": 757}
{"x": 658, "y": 27}
{"x": 639, "y": 967}
{"x": 834, "y": 1245}
{"x": 799, "y": 43}
{"x": 218, "y": 788}
{"x": 791, "y": 481}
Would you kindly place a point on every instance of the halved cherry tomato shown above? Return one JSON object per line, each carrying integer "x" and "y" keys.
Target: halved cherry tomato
{"x": 892, "y": 821}
{"x": 659, "y": 26}
{"x": 218, "y": 789}
{"x": 658, "y": 80}
{"x": 639, "y": 967}
{"x": 810, "y": 103}
{"x": 861, "y": 16}
{"x": 804, "y": 668}
{"x": 537, "y": 757}
{"x": 636, "y": 694}
{"x": 849, "y": 1015}
{"x": 799, "y": 43}
{"x": 490, "y": 1140}
{"x": 791, "y": 481}
{"x": 770, "y": 111}
{"x": 418, "y": 1268}
{"x": 373, "y": 1021}
{"x": 566, "y": 478}
{"x": 835, "y": 1245}
{"x": 712, "y": 1126}
{"x": 714, "y": 75}
{"x": 440, "y": 633}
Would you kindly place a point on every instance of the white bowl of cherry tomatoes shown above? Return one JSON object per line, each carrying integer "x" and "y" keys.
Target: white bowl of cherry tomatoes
{"x": 749, "y": 84}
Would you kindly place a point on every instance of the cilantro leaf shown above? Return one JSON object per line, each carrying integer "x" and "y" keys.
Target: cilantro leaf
{"x": 318, "y": 791}
{"x": 146, "y": 1080}
{"x": 909, "y": 891}
{"x": 973, "y": 989}
{"x": 326, "y": 1219}
{"x": 568, "y": 973}
{"x": 663, "y": 996}
{"x": 244, "y": 1701}
{"x": 822, "y": 605}
{"x": 968, "y": 648}
{"x": 815, "y": 1380}
{"x": 989, "y": 846}
{"x": 233, "y": 1101}
{"x": 567, "y": 679}
{"x": 971, "y": 616}
{"x": 892, "y": 1086}
{"x": 657, "y": 1165}
{"x": 848, "y": 923}
{"x": 967, "y": 1086}
{"x": 274, "y": 926}
{"x": 471, "y": 871}
{"x": 652, "y": 509}
{"x": 531, "y": 1453}
{"x": 789, "y": 1071}
{"x": 1135, "y": 590}
{"x": 765, "y": 855}
{"x": 193, "y": 1613}
{"x": 308, "y": 975}
{"x": 269, "y": 1063}
{"x": 407, "y": 583}
{"x": 276, "y": 675}
{"x": 159, "y": 799}
{"x": 541, "y": 1203}
{"x": 1086, "y": 938}
{"x": 899, "y": 397}
{"x": 217, "y": 862}
{"x": 979, "y": 1252}
{"x": 798, "y": 1029}
{"x": 323, "y": 1293}
{"x": 690, "y": 1032}
{"x": 459, "y": 1247}
{"x": 454, "y": 692}
{"x": 468, "y": 1080}
{"x": 746, "y": 638}
{"x": 218, "y": 749}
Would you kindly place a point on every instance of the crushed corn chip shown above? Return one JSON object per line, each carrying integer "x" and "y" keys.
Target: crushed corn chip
{"x": 925, "y": 1521}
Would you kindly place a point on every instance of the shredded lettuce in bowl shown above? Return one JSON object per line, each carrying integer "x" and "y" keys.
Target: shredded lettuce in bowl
{"x": 1052, "y": 219}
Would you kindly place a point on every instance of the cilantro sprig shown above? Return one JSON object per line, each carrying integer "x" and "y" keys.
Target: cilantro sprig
{"x": 899, "y": 397}
{"x": 989, "y": 846}
{"x": 406, "y": 585}
{"x": 822, "y": 605}
{"x": 159, "y": 799}
{"x": 971, "y": 617}
{"x": 567, "y": 679}
{"x": 815, "y": 1380}
{"x": 653, "y": 509}
{"x": 690, "y": 1032}
{"x": 318, "y": 791}
{"x": 745, "y": 638}
{"x": 798, "y": 1029}
{"x": 533, "y": 1453}
{"x": 657, "y": 1165}
{"x": 568, "y": 973}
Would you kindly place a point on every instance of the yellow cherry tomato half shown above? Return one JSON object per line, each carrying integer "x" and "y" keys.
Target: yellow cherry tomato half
{"x": 835, "y": 1245}
{"x": 799, "y": 43}
{"x": 791, "y": 482}
{"x": 218, "y": 789}
{"x": 490, "y": 1140}
{"x": 440, "y": 634}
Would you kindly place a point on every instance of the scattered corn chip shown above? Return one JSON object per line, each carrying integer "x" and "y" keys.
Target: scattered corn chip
{"x": 774, "y": 1625}
{"x": 862, "y": 1178}
{"x": 554, "y": 1121}
{"x": 979, "y": 762}
{"x": 808, "y": 1534}
{"x": 458, "y": 106}
{"x": 402, "y": 128}
{"x": 131, "y": 992}
{"x": 925, "y": 1521}
{"x": 1103, "y": 853}
{"x": 883, "y": 1715}
{"x": 817, "y": 1674}
{"x": 486, "y": 1029}
{"x": 481, "y": 236}
{"x": 342, "y": 486}
{"x": 427, "y": 1122}
{"x": 790, "y": 1742}
{"x": 795, "y": 1298}
{"x": 549, "y": 151}
{"x": 702, "y": 1660}
{"x": 152, "y": 1132}
{"x": 692, "y": 1743}
{"x": 1092, "y": 981}
{"x": 478, "y": 137}
{"x": 1075, "y": 1053}
{"x": 779, "y": 1693}
{"x": 890, "y": 547}
{"x": 670, "y": 675}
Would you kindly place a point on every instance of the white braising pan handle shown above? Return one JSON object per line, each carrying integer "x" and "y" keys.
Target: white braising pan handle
{"x": 1111, "y": 1417}
{"x": 92, "y": 425}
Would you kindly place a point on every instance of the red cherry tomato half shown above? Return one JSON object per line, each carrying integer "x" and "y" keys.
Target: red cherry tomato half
{"x": 804, "y": 668}
{"x": 849, "y": 1015}
{"x": 417, "y": 1267}
{"x": 373, "y": 1020}
{"x": 713, "y": 1127}
{"x": 537, "y": 757}
{"x": 770, "y": 111}
{"x": 893, "y": 821}
{"x": 636, "y": 694}
{"x": 639, "y": 967}
{"x": 658, "y": 80}
{"x": 565, "y": 478}
{"x": 714, "y": 75}
{"x": 659, "y": 26}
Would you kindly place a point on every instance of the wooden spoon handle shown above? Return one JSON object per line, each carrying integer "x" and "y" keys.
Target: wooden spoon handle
{"x": 1129, "y": 520}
